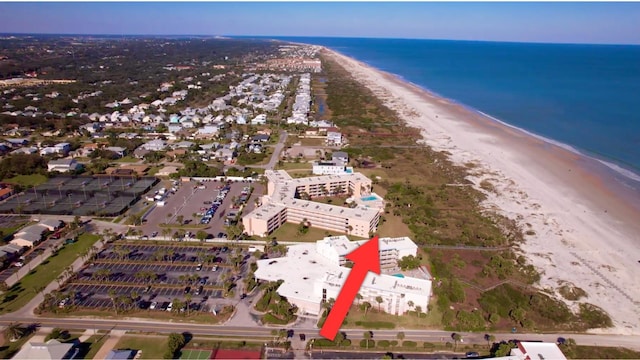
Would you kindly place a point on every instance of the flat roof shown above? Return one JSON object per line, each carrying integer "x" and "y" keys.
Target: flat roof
{"x": 303, "y": 266}
{"x": 283, "y": 196}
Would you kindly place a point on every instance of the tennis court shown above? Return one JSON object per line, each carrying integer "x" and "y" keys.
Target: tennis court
{"x": 195, "y": 354}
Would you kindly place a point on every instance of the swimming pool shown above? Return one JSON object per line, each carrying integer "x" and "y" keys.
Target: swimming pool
{"x": 398, "y": 275}
{"x": 369, "y": 198}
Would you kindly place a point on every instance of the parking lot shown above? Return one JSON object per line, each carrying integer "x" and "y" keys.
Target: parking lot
{"x": 212, "y": 201}
{"x": 157, "y": 274}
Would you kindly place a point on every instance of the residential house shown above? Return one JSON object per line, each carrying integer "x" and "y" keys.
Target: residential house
{"x": 334, "y": 137}
{"x": 120, "y": 151}
{"x": 174, "y": 128}
{"x": 154, "y": 145}
{"x": 261, "y": 119}
{"x": 52, "y": 224}
{"x": 5, "y": 191}
{"x": 340, "y": 156}
{"x": 260, "y": 138}
{"x": 63, "y": 165}
{"x": 51, "y": 350}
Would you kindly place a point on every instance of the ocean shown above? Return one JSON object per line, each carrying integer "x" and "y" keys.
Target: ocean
{"x": 583, "y": 97}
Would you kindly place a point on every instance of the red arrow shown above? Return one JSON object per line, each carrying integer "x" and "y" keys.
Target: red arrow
{"x": 365, "y": 258}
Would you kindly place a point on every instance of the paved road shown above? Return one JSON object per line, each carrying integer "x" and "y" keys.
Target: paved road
{"x": 277, "y": 149}
{"x": 629, "y": 341}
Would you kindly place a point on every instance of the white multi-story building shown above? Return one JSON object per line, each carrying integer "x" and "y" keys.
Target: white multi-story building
{"x": 315, "y": 273}
{"x": 282, "y": 203}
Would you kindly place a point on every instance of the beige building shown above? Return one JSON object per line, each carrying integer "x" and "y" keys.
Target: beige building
{"x": 282, "y": 203}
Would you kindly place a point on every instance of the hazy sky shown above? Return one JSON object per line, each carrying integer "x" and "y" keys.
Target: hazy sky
{"x": 540, "y": 22}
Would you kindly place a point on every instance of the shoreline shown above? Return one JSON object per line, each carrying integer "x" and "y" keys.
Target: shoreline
{"x": 585, "y": 222}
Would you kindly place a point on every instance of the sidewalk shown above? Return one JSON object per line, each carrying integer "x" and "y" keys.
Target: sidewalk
{"x": 112, "y": 341}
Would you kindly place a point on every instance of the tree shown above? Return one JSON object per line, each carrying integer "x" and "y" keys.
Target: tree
{"x": 201, "y": 235}
{"x": 359, "y": 298}
{"x": 367, "y": 336}
{"x": 187, "y": 302}
{"x": 419, "y": 309}
{"x": 400, "y": 336}
{"x": 14, "y": 331}
{"x": 339, "y": 338}
{"x": 410, "y": 304}
{"x": 379, "y": 300}
{"x": 366, "y": 306}
{"x": 456, "y": 337}
{"x": 180, "y": 219}
{"x": 176, "y": 342}
{"x": 114, "y": 300}
{"x": 490, "y": 338}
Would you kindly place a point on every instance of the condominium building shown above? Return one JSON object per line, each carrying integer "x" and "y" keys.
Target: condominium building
{"x": 315, "y": 273}
{"x": 282, "y": 203}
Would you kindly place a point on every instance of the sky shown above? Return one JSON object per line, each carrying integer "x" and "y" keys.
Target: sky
{"x": 569, "y": 22}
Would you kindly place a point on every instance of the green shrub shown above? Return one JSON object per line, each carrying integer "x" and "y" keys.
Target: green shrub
{"x": 383, "y": 343}
{"x": 428, "y": 345}
{"x": 409, "y": 344}
{"x": 322, "y": 343}
{"x": 270, "y": 319}
{"x": 376, "y": 324}
{"x": 363, "y": 343}
{"x": 394, "y": 343}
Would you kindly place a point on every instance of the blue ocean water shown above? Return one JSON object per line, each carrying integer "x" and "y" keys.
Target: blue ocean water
{"x": 584, "y": 96}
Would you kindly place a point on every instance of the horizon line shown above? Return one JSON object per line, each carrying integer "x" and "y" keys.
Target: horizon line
{"x": 275, "y": 37}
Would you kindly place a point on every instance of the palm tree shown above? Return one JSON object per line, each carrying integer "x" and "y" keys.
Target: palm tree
{"x": 366, "y": 306}
{"x": 419, "y": 309}
{"x": 169, "y": 215}
{"x": 367, "y": 337}
{"x": 187, "y": 301}
{"x": 410, "y": 304}
{"x": 490, "y": 339}
{"x": 359, "y": 298}
{"x": 114, "y": 300}
{"x": 456, "y": 337}
{"x": 166, "y": 232}
{"x": 379, "y": 300}
{"x": 14, "y": 331}
{"x": 400, "y": 336}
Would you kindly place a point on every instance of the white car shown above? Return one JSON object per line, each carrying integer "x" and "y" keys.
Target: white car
{"x": 170, "y": 307}
{"x": 153, "y": 305}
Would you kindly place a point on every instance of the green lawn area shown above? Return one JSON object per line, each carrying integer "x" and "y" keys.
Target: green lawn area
{"x": 27, "y": 180}
{"x": 25, "y": 290}
{"x": 289, "y": 232}
{"x": 356, "y": 318}
{"x": 152, "y": 347}
{"x": 6, "y": 231}
{"x": 127, "y": 159}
{"x": 90, "y": 347}
{"x": 295, "y": 166}
{"x": 153, "y": 170}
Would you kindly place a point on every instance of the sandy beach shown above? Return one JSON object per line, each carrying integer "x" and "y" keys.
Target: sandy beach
{"x": 585, "y": 227}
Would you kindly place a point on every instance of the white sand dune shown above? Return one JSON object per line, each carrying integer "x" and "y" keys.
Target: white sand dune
{"x": 586, "y": 230}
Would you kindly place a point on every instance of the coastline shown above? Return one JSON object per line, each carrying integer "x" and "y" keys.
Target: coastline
{"x": 585, "y": 222}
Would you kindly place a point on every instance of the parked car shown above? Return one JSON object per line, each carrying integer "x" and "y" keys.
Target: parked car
{"x": 199, "y": 267}
{"x": 170, "y": 306}
{"x": 187, "y": 289}
{"x": 199, "y": 290}
{"x": 215, "y": 268}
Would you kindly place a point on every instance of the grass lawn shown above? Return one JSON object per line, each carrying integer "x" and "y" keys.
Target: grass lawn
{"x": 289, "y": 232}
{"x": 25, "y": 290}
{"x": 431, "y": 320}
{"x": 153, "y": 170}
{"x": 90, "y": 347}
{"x": 152, "y": 347}
{"x": 27, "y": 180}
{"x": 311, "y": 142}
{"x": 295, "y": 166}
